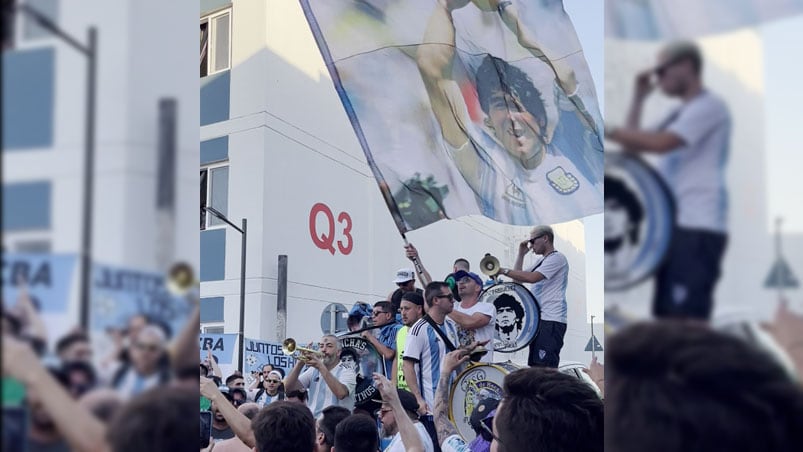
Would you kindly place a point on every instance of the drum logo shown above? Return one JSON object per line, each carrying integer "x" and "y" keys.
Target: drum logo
{"x": 477, "y": 387}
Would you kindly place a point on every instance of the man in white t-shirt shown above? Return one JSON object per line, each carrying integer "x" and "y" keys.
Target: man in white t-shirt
{"x": 549, "y": 279}
{"x": 693, "y": 142}
{"x": 476, "y": 320}
{"x": 327, "y": 381}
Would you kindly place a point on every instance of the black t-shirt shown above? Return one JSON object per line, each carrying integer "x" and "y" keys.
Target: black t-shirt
{"x": 226, "y": 433}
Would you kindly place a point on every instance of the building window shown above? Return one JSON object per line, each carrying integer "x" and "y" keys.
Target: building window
{"x": 214, "y": 193}
{"x": 212, "y": 329}
{"x": 215, "y": 42}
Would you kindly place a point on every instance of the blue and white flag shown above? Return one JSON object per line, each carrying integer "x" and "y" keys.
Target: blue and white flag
{"x": 480, "y": 107}
{"x": 49, "y": 278}
{"x": 258, "y": 353}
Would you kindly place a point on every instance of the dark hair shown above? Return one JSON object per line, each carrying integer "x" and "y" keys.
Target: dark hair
{"x": 497, "y": 74}
{"x": 616, "y": 189}
{"x": 233, "y": 377}
{"x": 679, "y": 385}
{"x": 284, "y": 426}
{"x": 350, "y": 352}
{"x": 66, "y": 341}
{"x": 507, "y": 300}
{"x": 300, "y": 394}
{"x": 413, "y": 297}
{"x": 385, "y": 306}
{"x": 432, "y": 289}
{"x": 79, "y": 366}
{"x": 463, "y": 260}
{"x": 543, "y": 409}
{"x": 240, "y": 391}
{"x": 205, "y": 369}
{"x": 249, "y": 410}
{"x": 332, "y": 415}
{"x": 357, "y": 433}
{"x": 156, "y": 420}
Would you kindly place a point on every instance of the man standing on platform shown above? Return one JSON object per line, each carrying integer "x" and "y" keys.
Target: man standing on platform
{"x": 549, "y": 278}
{"x": 327, "y": 381}
{"x": 476, "y": 320}
{"x": 385, "y": 341}
{"x": 412, "y": 309}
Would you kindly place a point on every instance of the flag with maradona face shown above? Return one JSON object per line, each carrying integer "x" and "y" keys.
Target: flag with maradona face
{"x": 480, "y": 107}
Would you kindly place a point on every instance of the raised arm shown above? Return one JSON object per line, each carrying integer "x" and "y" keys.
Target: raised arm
{"x": 183, "y": 350}
{"x": 443, "y": 425}
{"x": 239, "y": 423}
{"x": 409, "y": 434}
{"x": 412, "y": 253}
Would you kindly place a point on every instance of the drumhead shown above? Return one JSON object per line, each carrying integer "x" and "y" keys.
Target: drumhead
{"x": 639, "y": 220}
{"x": 517, "y": 315}
{"x": 364, "y": 358}
{"x": 477, "y": 382}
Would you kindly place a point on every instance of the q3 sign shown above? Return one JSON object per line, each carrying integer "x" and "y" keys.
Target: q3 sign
{"x": 325, "y": 239}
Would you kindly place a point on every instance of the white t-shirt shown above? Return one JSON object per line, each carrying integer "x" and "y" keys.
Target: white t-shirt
{"x": 485, "y": 333}
{"x": 695, "y": 172}
{"x": 426, "y": 348}
{"x": 396, "y": 444}
{"x": 551, "y": 291}
{"x": 318, "y": 392}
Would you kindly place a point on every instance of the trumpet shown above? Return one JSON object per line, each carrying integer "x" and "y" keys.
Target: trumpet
{"x": 181, "y": 279}
{"x": 289, "y": 347}
{"x": 489, "y": 265}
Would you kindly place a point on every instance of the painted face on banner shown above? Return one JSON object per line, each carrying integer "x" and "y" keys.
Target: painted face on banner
{"x": 516, "y": 128}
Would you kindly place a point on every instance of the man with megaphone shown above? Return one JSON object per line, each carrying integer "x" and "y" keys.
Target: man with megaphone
{"x": 548, "y": 279}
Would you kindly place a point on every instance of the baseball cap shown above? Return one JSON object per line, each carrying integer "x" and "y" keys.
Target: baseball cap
{"x": 460, "y": 274}
{"x": 403, "y": 275}
{"x": 485, "y": 408}
{"x": 407, "y": 399}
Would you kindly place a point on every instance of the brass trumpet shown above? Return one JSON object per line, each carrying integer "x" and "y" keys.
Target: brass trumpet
{"x": 181, "y": 279}
{"x": 289, "y": 347}
{"x": 489, "y": 266}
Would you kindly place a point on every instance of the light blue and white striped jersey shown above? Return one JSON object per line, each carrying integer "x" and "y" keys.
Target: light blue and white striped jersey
{"x": 318, "y": 392}
{"x": 426, "y": 348}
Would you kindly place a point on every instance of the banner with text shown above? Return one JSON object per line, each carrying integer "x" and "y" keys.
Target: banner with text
{"x": 258, "y": 353}
{"x": 48, "y": 277}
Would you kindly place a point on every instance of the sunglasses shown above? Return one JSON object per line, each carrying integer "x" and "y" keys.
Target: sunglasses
{"x": 661, "y": 70}
{"x": 532, "y": 240}
{"x": 274, "y": 381}
{"x": 380, "y": 412}
{"x": 380, "y": 312}
{"x": 487, "y": 426}
{"x": 448, "y": 296}
{"x": 148, "y": 347}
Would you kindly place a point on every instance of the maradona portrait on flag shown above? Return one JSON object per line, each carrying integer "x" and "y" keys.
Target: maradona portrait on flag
{"x": 468, "y": 107}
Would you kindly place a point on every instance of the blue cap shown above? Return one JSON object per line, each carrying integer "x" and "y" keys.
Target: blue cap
{"x": 460, "y": 274}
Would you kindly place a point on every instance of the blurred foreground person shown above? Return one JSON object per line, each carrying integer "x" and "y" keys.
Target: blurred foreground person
{"x": 679, "y": 386}
{"x": 284, "y": 426}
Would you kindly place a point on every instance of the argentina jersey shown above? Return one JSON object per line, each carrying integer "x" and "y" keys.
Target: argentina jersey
{"x": 426, "y": 348}
{"x": 320, "y": 395}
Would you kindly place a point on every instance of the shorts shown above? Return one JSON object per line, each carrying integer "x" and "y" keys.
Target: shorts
{"x": 685, "y": 282}
{"x": 545, "y": 348}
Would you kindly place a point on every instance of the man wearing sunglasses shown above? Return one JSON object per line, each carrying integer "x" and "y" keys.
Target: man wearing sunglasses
{"x": 693, "y": 142}
{"x": 549, "y": 279}
{"x": 384, "y": 342}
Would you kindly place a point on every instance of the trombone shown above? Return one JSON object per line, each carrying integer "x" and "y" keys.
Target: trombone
{"x": 289, "y": 347}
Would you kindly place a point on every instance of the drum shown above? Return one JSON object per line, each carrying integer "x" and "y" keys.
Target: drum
{"x": 363, "y": 357}
{"x": 475, "y": 383}
{"x": 517, "y": 315}
{"x": 639, "y": 220}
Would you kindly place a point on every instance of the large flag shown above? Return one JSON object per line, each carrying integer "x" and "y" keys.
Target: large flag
{"x": 481, "y": 107}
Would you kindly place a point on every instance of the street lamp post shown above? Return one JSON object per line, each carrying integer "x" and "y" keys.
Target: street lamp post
{"x": 242, "y": 230}
{"x": 90, "y": 51}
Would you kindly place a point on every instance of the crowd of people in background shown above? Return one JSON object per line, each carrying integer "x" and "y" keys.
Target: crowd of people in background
{"x": 673, "y": 384}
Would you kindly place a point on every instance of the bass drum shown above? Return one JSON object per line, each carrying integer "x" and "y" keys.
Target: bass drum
{"x": 475, "y": 383}
{"x": 360, "y": 355}
{"x": 639, "y": 221}
{"x": 517, "y": 315}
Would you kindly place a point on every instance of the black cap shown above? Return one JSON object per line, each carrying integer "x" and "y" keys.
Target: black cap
{"x": 481, "y": 411}
{"x": 407, "y": 399}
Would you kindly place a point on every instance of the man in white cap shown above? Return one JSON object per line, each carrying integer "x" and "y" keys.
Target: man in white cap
{"x": 405, "y": 280}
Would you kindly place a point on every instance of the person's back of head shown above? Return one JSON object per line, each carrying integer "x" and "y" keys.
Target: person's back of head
{"x": 330, "y": 417}
{"x": 543, "y": 409}
{"x": 284, "y": 426}
{"x": 681, "y": 386}
{"x": 156, "y": 420}
{"x": 356, "y": 433}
